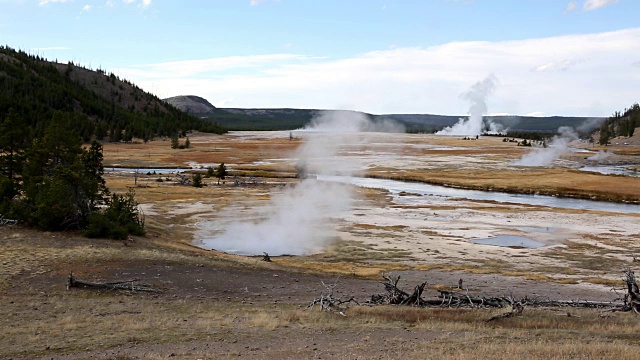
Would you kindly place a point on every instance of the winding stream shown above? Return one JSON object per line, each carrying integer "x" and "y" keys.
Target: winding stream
{"x": 396, "y": 187}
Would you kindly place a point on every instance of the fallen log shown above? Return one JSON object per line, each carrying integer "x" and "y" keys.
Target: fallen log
{"x": 73, "y": 282}
{"x": 450, "y": 298}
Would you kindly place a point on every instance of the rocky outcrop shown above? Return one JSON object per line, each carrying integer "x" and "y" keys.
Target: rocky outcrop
{"x": 191, "y": 104}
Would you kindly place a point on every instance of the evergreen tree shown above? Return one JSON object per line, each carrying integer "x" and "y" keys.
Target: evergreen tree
{"x": 118, "y": 220}
{"x": 13, "y": 142}
{"x": 174, "y": 142}
{"x": 63, "y": 182}
{"x": 221, "y": 172}
{"x": 197, "y": 180}
{"x": 605, "y": 135}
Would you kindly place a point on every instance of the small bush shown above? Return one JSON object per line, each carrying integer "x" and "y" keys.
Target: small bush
{"x": 118, "y": 220}
{"x": 197, "y": 180}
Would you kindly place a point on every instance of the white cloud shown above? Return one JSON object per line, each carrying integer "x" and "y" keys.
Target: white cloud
{"x": 45, "y": 2}
{"x": 570, "y": 6}
{"x": 141, "y": 3}
{"x": 51, "y": 48}
{"x": 535, "y": 76}
{"x": 590, "y": 5}
{"x": 563, "y": 65}
{"x": 256, "y": 2}
{"x": 86, "y": 8}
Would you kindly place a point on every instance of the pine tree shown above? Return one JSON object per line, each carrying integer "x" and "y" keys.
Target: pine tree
{"x": 13, "y": 142}
{"x": 221, "y": 172}
{"x": 63, "y": 183}
{"x": 197, "y": 180}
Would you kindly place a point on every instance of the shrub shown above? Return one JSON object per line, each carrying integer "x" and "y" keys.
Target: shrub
{"x": 197, "y": 180}
{"x": 118, "y": 220}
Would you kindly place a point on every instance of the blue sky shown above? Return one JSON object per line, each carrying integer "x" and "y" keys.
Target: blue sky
{"x": 551, "y": 57}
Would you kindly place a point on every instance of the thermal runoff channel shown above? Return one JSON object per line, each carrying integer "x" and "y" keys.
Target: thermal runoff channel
{"x": 297, "y": 220}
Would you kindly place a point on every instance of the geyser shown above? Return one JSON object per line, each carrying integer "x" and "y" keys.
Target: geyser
{"x": 299, "y": 218}
{"x": 477, "y": 96}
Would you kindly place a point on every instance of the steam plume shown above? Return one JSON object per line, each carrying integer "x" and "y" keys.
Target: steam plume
{"x": 601, "y": 155}
{"x": 546, "y": 156}
{"x": 299, "y": 219}
{"x": 477, "y": 96}
{"x": 590, "y": 124}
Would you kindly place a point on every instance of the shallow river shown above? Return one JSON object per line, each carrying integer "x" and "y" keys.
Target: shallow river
{"x": 396, "y": 187}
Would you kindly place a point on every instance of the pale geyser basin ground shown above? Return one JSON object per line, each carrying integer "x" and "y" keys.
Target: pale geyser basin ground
{"x": 441, "y": 230}
{"x": 438, "y": 231}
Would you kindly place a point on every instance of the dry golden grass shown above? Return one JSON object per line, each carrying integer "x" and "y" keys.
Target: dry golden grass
{"x": 87, "y": 320}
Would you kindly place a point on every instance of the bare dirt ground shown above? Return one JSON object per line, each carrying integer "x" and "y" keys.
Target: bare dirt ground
{"x": 215, "y": 305}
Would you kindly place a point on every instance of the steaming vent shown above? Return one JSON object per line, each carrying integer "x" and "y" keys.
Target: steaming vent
{"x": 301, "y": 219}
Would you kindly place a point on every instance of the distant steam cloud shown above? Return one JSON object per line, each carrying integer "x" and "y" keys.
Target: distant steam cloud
{"x": 298, "y": 220}
{"x": 477, "y": 97}
{"x": 546, "y": 156}
{"x": 351, "y": 121}
{"x": 589, "y": 125}
{"x": 601, "y": 155}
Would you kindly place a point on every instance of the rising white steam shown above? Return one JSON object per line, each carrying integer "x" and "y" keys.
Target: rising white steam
{"x": 477, "y": 96}
{"x": 590, "y": 124}
{"x": 601, "y": 155}
{"x": 557, "y": 147}
{"x": 351, "y": 121}
{"x": 298, "y": 220}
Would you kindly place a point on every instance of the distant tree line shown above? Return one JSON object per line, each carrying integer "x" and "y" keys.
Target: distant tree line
{"x": 620, "y": 124}
{"x": 51, "y": 182}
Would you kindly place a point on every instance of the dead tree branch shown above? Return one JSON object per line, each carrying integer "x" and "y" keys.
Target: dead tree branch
{"x": 632, "y": 297}
{"x": 73, "y": 282}
{"x": 450, "y": 298}
{"x": 328, "y": 302}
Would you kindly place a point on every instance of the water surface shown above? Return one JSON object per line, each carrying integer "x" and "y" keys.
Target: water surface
{"x": 509, "y": 241}
{"x": 396, "y": 187}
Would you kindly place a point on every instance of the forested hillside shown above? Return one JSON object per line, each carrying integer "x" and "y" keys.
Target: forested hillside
{"x": 100, "y": 105}
{"x": 620, "y": 124}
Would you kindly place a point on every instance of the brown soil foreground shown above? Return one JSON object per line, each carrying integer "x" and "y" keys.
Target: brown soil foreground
{"x": 213, "y": 305}
{"x": 219, "y": 307}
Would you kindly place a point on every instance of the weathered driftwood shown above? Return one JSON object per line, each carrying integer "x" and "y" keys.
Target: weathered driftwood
{"x": 449, "y": 298}
{"x": 6, "y": 222}
{"x": 183, "y": 179}
{"x": 328, "y": 302}
{"x": 632, "y": 297}
{"x": 73, "y": 282}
